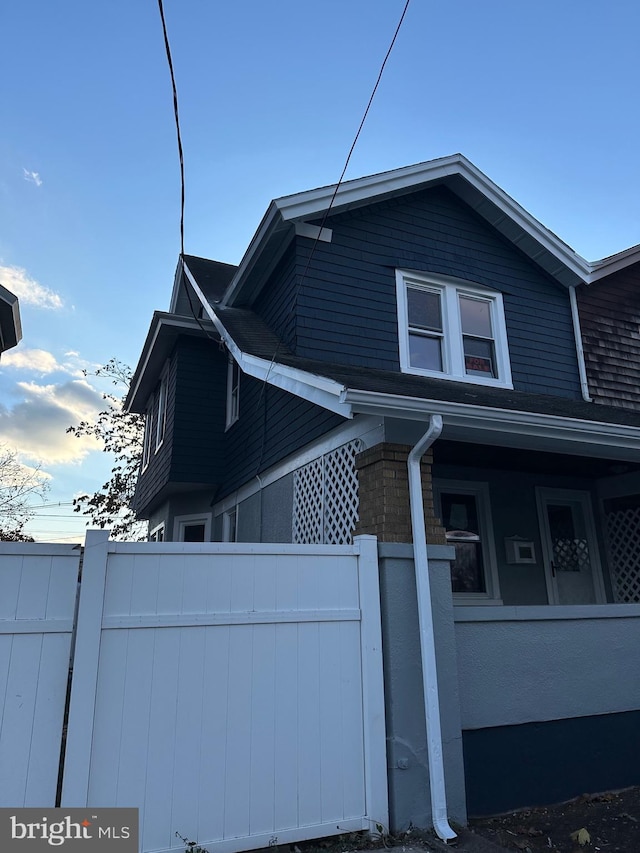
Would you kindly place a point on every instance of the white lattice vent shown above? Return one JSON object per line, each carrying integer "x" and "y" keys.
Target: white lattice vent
{"x": 623, "y": 533}
{"x": 325, "y": 497}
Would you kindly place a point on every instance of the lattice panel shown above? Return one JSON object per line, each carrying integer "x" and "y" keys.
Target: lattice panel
{"x": 623, "y": 534}
{"x": 325, "y": 497}
{"x": 308, "y": 490}
{"x": 341, "y": 493}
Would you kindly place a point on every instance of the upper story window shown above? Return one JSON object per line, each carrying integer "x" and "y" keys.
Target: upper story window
{"x": 452, "y": 329}
{"x": 233, "y": 392}
{"x": 149, "y": 422}
{"x": 161, "y": 416}
{"x": 155, "y": 422}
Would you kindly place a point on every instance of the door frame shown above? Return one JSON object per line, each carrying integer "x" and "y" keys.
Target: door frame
{"x": 547, "y": 494}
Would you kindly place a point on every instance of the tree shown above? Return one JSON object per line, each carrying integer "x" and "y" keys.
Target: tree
{"x": 120, "y": 433}
{"x": 19, "y": 484}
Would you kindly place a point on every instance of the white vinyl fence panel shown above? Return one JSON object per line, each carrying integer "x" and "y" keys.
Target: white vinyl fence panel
{"x": 38, "y": 586}
{"x": 231, "y": 692}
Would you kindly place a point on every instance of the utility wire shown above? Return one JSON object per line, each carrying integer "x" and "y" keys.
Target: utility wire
{"x": 187, "y": 286}
{"x": 177, "y": 119}
{"x": 353, "y": 144}
{"x": 324, "y": 219}
{"x": 340, "y": 179}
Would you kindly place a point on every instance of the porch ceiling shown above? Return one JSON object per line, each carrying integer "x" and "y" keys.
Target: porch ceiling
{"x": 535, "y": 461}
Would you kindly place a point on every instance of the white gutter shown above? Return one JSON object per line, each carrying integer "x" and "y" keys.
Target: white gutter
{"x": 427, "y": 637}
{"x": 582, "y": 369}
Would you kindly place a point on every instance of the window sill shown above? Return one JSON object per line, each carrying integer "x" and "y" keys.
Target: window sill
{"x": 471, "y": 380}
{"x": 466, "y": 599}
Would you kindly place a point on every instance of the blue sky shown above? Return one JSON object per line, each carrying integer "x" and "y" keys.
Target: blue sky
{"x": 541, "y": 97}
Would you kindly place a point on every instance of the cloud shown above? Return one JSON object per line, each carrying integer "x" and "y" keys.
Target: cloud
{"x": 32, "y": 177}
{"x": 43, "y": 362}
{"x": 38, "y": 360}
{"x": 37, "y": 426}
{"x": 27, "y": 289}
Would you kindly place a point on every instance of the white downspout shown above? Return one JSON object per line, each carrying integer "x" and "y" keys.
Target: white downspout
{"x": 427, "y": 638}
{"x": 577, "y": 332}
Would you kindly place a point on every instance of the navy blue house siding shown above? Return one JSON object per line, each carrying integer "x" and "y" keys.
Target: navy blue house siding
{"x": 273, "y": 424}
{"x": 346, "y": 305}
{"x": 192, "y": 451}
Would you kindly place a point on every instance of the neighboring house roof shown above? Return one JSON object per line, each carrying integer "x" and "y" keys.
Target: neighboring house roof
{"x": 10, "y": 325}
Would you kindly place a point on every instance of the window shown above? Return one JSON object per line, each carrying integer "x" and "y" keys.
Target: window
{"x": 465, "y": 513}
{"x": 233, "y": 392}
{"x": 230, "y": 525}
{"x": 157, "y": 534}
{"x": 148, "y": 432}
{"x": 451, "y": 328}
{"x": 161, "y": 417}
{"x": 192, "y": 528}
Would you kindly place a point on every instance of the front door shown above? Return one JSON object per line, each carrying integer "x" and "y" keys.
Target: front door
{"x": 569, "y": 547}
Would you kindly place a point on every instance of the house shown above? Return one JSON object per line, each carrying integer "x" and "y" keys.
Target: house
{"x": 283, "y": 397}
{"x": 10, "y": 326}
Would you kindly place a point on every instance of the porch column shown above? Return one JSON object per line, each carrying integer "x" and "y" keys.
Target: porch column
{"x": 384, "y": 495}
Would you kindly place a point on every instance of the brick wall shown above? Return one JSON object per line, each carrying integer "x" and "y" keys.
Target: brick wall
{"x": 384, "y": 495}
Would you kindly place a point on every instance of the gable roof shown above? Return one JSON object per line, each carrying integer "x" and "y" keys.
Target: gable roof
{"x": 290, "y": 214}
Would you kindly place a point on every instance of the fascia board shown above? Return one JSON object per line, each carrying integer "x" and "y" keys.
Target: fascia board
{"x": 353, "y": 193}
{"x": 159, "y": 324}
{"x": 316, "y": 389}
{"x": 499, "y": 421}
{"x": 268, "y": 224}
{"x": 614, "y": 263}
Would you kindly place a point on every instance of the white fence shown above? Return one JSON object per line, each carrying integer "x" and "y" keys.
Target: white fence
{"x": 37, "y": 601}
{"x": 231, "y": 692}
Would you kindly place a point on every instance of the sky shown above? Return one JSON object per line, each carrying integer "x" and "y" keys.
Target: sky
{"x": 542, "y": 97}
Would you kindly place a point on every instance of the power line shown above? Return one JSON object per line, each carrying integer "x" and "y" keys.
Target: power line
{"x": 177, "y": 119}
{"x": 340, "y": 180}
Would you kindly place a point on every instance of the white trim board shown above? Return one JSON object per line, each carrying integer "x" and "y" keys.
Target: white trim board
{"x": 369, "y": 429}
{"x": 310, "y": 386}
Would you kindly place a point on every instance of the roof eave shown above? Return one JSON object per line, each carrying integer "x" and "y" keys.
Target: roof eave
{"x": 10, "y": 324}
{"x": 472, "y": 186}
{"x": 163, "y": 332}
{"x": 505, "y": 427}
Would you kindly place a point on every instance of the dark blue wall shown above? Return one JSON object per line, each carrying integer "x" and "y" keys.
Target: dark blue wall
{"x": 192, "y": 451}
{"x": 509, "y": 767}
{"x": 272, "y": 425}
{"x": 346, "y": 307}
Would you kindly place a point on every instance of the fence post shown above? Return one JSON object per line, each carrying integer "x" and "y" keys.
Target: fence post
{"x": 75, "y": 783}
{"x": 375, "y": 735}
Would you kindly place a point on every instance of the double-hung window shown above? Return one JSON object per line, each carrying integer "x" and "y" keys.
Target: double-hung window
{"x": 452, "y": 329}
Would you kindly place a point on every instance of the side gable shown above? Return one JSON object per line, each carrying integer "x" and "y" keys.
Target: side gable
{"x": 345, "y": 306}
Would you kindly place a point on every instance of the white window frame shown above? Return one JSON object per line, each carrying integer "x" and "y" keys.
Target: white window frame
{"x": 148, "y": 429}
{"x": 157, "y": 533}
{"x": 450, "y": 289}
{"x": 230, "y": 524}
{"x": 181, "y": 522}
{"x": 480, "y": 491}
{"x": 233, "y": 392}
{"x": 161, "y": 415}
